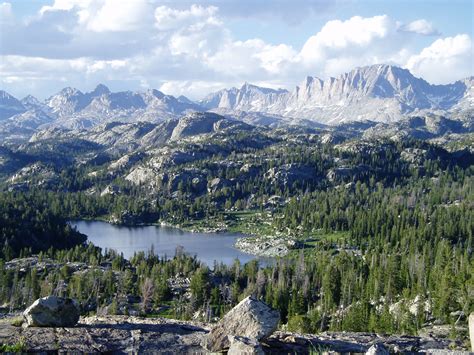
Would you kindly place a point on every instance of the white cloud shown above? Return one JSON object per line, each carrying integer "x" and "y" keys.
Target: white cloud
{"x": 199, "y": 40}
{"x": 290, "y": 12}
{"x": 342, "y": 45}
{"x": 238, "y": 59}
{"x": 119, "y": 16}
{"x": 191, "y": 89}
{"x": 355, "y": 31}
{"x": 421, "y": 27}
{"x": 6, "y": 14}
{"x": 274, "y": 58}
{"x": 444, "y": 60}
{"x": 105, "y": 15}
{"x": 65, "y": 5}
{"x": 167, "y": 18}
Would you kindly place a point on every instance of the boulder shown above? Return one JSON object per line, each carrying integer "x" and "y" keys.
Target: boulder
{"x": 52, "y": 311}
{"x": 377, "y": 349}
{"x": 471, "y": 330}
{"x": 251, "y": 318}
{"x": 242, "y": 345}
{"x": 217, "y": 184}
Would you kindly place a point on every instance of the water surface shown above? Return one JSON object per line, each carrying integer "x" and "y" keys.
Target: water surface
{"x": 128, "y": 240}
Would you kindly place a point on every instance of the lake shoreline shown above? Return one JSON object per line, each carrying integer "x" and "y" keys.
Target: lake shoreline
{"x": 256, "y": 244}
{"x": 164, "y": 238}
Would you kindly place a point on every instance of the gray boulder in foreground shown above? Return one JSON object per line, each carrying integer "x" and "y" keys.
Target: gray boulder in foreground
{"x": 251, "y": 319}
{"x": 52, "y": 311}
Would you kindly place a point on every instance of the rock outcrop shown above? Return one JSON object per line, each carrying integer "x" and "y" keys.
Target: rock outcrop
{"x": 128, "y": 334}
{"x": 251, "y": 318}
{"x": 110, "y": 334}
{"x": 242, "y": 345}
{"x": 52, "y": 311}
{"x": 377, "y": 349}
{"x": 265, "y": 246}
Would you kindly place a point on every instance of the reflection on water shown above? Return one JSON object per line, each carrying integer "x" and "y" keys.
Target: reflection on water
{"x": 128, "y": 240}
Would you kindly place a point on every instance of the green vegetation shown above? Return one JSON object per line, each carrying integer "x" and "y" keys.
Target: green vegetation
{"x": 29, "y": 224}
{"x": 19, "y": 347}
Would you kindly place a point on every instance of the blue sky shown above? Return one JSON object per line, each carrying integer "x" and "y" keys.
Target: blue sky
{"x": 195, "y": 47}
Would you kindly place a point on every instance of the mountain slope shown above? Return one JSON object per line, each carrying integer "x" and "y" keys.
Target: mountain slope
{"x": 9, "y": 105}
{"x": 126, "y": 137}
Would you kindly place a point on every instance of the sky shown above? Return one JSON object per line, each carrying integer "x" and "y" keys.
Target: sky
{"x": 193, "y": 48}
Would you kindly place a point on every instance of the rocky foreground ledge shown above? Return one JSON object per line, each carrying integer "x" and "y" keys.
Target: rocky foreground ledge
{"x": 125, "y": 334}
{"x": 50, "y": 325}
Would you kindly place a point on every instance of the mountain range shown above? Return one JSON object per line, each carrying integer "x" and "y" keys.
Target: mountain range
{"x": 379, "y": 93}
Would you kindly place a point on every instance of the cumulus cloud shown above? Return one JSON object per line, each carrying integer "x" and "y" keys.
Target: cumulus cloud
{"x": 445, "y": 59}
{"x": 341, "y": 34}
{"x": 65, "y": 5}
{"x": 167, "y": 18}
{"x": 290, "y": 12}
{"x": 104, "y": 15}
{"x": 421, "y": 27}
{"x": 116, "y": 16}
{"x": 358, "y": 41}
{"x": 188, "y": 49}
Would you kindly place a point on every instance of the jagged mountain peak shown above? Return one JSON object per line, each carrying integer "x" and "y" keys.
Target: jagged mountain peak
{"x": 248, "y": 87}
{"x": 30, "y": 99}
{"x": 99, "y": 90}
{"x": 69, "y": 91}
{"x": 31, "y": 103}
{"x": 380, "y": 69}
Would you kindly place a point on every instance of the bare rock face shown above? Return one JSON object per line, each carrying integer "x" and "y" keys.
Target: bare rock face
{"x": 242, "y": 345}
{"x": 471, "y": 330}
{"x": 52, "y": 311}
{"x": 110, "y": 335}
{"x": 251, "y": 318}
